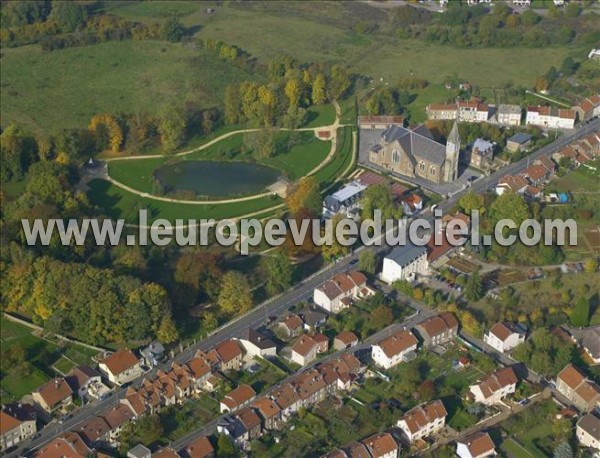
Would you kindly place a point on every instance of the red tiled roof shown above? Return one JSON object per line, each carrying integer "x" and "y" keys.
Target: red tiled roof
{"x": 479, "y": 443}
{"x": 424, "y": 414}
{"x": 120, "y": 361}
{"x": 239, "y": 396}
{"x": 397, "y": 343}
{"x": 346, "y": 337}
{"x": 200, "y": 448}
{"x": 55, "y": 391}
{"x": 68, "y": 445}
{"x": 380, "y": 444}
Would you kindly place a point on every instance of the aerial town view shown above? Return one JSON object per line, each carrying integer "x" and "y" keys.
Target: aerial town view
{"x": 262, "y": 228}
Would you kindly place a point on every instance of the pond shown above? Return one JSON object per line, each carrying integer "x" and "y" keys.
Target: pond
{"x": 216, "y": 179}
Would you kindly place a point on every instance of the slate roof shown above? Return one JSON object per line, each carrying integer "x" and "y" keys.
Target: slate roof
{"x": 404, "y": 255}
{"x": 417, "y": 143}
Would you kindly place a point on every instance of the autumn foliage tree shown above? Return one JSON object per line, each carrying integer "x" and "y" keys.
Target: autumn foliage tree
{"x": 102, "y": 125}
{"x": 235, "y": 297}
{"x": 304, "y": 195}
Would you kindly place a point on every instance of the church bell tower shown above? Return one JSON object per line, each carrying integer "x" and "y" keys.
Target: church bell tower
{"x": 452, "y": 155}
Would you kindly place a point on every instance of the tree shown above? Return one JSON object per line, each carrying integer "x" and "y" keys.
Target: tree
{"x": 511, "y": 206}
{"x": 304, "y": 195}
{"x": 167, "y": 332}
{"x": 172, "y": 30}
{"x": 172, "y": 127}
{"x": 332, "y": 251}
{"x": 381, "y": 316}
{"x": 426, "y": 390}
{"x": 474, "y": 288}
{"x": 470, "y": 202}
{"x": 70, "y": 16}
{"x": 225, "y": 447}
{"x": 590, "y": 265}
{"x": 232, "y": 104}
{"x": 339, "y": 82}
{"x": 262, "y": 142}
{"x": 541, "y": 84}
{"x": 292, "y": 91}
{"x": 379, "y": 197}
{"x": 277, "y": 270}
{"x": 367, "y": 261}
{"x": 107, "y": 131}
{"x": 235, "y": 297}
{"x": 318, "y": 90}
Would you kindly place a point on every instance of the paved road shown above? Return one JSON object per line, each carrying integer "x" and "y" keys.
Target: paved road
{"x": 302, "y": 291}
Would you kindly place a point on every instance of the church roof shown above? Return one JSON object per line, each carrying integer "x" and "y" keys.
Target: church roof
{"x": 417, "y": 143}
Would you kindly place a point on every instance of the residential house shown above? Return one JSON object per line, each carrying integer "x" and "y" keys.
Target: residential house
{"x": 442, "y": 111}
{"x": 438, "y": 329}
{"x": 257, "y": 344}
{"x": 583, "y": 393}
{"x": 473, "y": 111}
{"x": 53, "y": 395}
{"x": 504, "y": 336}
{"x": 344, "y": 340}
{"x": 379, "y": 122}
{"x": 269, "y": 412}
{"x": 411, "y": 203}
{"x": 287, "y": 400}
{"x": 494, "y": 387}
{"x": 87, "y": 383}
{"x": 200, "y": 448}
{"x": 306, "y": 349}
{"x": 345, "y": 201}
{"x": 423, "y": 421}
{"x": 117, "y": 417}
{"x": 313, "y": 319}
{"x": 232, "y": 426}
{"x": 199, "y": 371}
{"x": 547, "y": 163}
{"x": 310, "y": 386}
{"x": 166, "y": 452}
{"x": 153, "y": 354}
{"x": 509, "y": 115}
{"x": 139, "y": 451}
{"x": 121, "y": 367}
{"x": 481, "y": 153}
{"x": 226, "y": 356}
{"x": 588, "y": 431}
{"x": 95, "y": 431}
{"x": 67, "y": 445}
{"x": 382, "y": 445}
{"x": 392, "y": 350}
{"x": 588, "y": 339}
{"x": 17, "y": 423}
{"x": 478, "y": 445}
{"x": 536, "y": 174}
{"x": 510, "y": 183}
{"x": 588, "y": 108}
{"x": 357, "y": 450}
{"x": 134, "y": 400}
{"x": 518, "y": 142}
{"x": 551, "y": 118}
{"x": 404, "y": 263}
{"x": 251, "y": 422}
{"x": 340, "y": 291}
{"x": 237, "y": 398}
{"x": 292, "y": 325}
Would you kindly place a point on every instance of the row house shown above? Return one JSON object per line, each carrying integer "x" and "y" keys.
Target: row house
{"x": 292, "y": 325}
{"x": 310, "y": 386}
{"x": 226, "y": 356}
{"x": 121, "y": 367}
{"x": 17, "y": 423}
{"x": 400, "y": 346}
{"x": 423, "y": 421}
{"x": 242, "y": 427}
{"x": 494, "y": 387}
{"x": 504, "y": 337}
{"x": 442, "y": 111}
{"x": 380, "y": 445}
{"x": 237, "y": 398}
{"x": 87, "y": 383}
{"x": 339, "y": 292}
{"x": 199, "y": 448}
{"x": 117, "y": 418}
{"x": 583, "y": 393}
{"x": 588, "y": 108}
{"x": 199, "y": 372}
{"x": 69, "y": 444}
{"x": 438, "y": 329}
{"x": 257, "y": 344}
{"x": 462, "y": 111}
{"x": 588, "y": 431}
{"x": 551, "y": 118}
{"x": 287, "y": 400}
{"x": 269, "y": 412}
{"x": 306, "y": 349}
{"x": 95, "y": 432}
{"x": 509, "y": 115}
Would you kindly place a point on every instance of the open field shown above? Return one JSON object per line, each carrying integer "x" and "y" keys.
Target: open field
{"x": 65, "y": 88}
{"x": 42, "y": 354}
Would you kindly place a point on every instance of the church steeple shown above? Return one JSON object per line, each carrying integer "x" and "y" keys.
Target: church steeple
{"x": 452, "y": 155}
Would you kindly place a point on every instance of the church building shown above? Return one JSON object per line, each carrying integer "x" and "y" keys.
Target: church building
{"x": 414, "y": 153}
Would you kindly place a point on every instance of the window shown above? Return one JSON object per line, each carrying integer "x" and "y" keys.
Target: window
{"x": 421, "y": 165}
{"x": 432, "y": 170}
{"x": 395, "y": 156}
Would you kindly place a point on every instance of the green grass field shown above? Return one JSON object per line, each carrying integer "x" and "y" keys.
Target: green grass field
{"x": 41, "y": 353}
{"x": 65, "y": 88}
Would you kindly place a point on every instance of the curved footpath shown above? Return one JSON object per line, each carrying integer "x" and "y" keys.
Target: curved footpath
{"x": 332, "y": 128}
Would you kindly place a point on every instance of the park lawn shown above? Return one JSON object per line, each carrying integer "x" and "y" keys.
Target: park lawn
{"x": 48, "y": 91}
{"x": 119, "y": 203}
{"x": 294, "y": 162}
{"x": 515, "y": 450}
{"x": 320, "y": 115}
{"x": 342, "y": 159}
{"x": 348, "y": 108}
